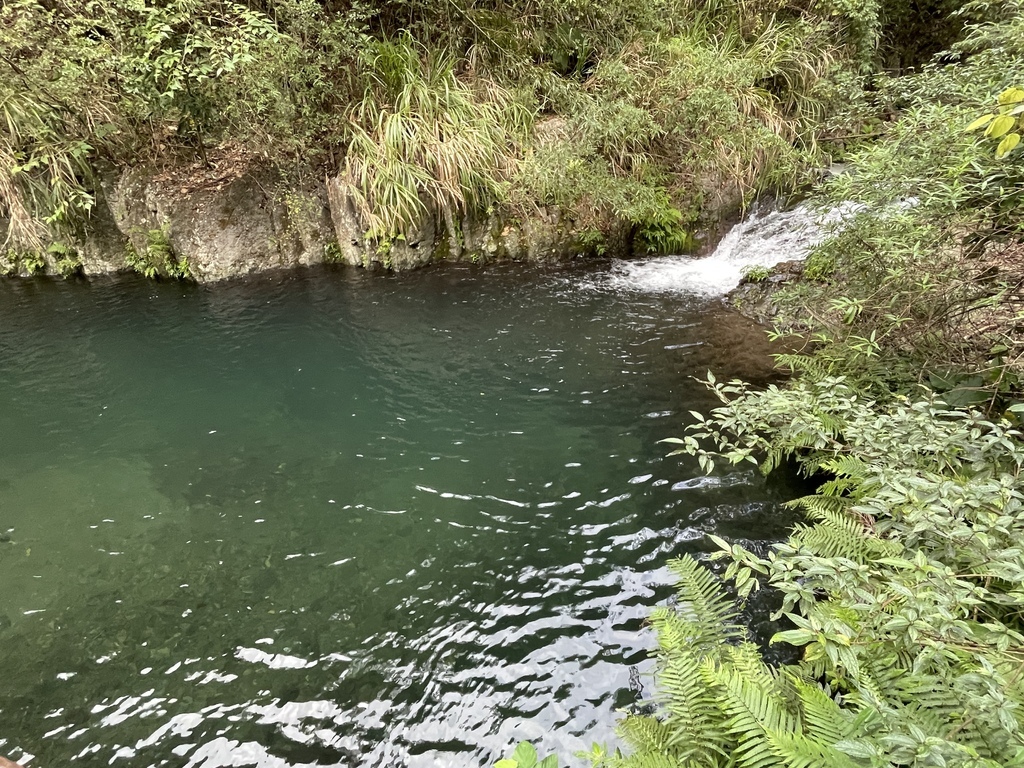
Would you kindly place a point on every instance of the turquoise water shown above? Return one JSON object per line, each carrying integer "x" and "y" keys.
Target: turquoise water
{"x": 345, "y": 519}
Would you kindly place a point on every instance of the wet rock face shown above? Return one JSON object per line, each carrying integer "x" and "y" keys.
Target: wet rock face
{"x": 256, "y": 221}
{"x": 545, "y": 236}
{"x": 225, "y": 227}
{"x": 756, "y": 299}
{"x": 210, "y": 225}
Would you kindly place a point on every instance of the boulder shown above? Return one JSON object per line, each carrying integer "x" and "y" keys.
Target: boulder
{"x": 224, "y": 225}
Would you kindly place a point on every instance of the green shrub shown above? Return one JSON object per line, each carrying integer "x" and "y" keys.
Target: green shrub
{"x": 903, "y": 592}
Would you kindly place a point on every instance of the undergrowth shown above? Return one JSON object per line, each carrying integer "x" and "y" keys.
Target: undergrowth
{"x": 652, "y": 114}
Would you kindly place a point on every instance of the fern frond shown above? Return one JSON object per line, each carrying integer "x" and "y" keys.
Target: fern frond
{"x": 831, "y": 424}
{"x": 745, "y": 659}
{"x": 824, "y": 720}
{"x": 847, "y": 466}
{"x": 840, "y": 534}
{"x": 812, "y": 366}
{"x": 753, "y": 713}
{"x": 799, "y": 751}
{"x": 926, "y": 692}
{"x": 873, "y": 687}
{"x": 817, "y": 504}
{"x": 647, "y": 760}
{"x": 694, "y": 720}
{"x": 645, "y": 734}
{"x": 704, "y": 604}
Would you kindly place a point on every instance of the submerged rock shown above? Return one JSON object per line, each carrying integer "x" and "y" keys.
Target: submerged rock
{"x": 755, "y": 298}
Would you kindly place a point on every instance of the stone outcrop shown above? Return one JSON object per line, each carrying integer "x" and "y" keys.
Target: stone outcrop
{"x": 755, "y": 299}
{"x": 224, "y": 227}
{"x": 211, "y": 225}
{"x": 543, "y": 236}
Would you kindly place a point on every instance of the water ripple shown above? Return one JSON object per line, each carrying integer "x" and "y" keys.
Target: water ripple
{"x": 346, "y": 519}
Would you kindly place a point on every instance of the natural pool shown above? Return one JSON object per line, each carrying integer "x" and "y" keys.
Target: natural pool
{"x": 338, "y": 518}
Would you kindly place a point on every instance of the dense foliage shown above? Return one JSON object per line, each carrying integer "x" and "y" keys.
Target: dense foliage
{"x": 923, "y": 280}
{"x": 644, "y": 111}
{"x": 904, "y": 591}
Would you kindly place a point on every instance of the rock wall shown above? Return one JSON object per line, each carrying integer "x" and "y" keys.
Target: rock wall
{"x": 224, "y": 227}
{"x": 212, "y": 226}
{"x": 543, "y": 236}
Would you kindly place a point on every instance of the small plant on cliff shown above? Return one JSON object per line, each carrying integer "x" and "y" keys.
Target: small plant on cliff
{"x": 159, "y": 259}
{"x": 332, "y": 253}
{"x": 67, "y": 262}
{"x": 22, "y": 261}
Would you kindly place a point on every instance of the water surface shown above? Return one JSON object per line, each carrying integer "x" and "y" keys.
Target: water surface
{"x": 344, "y": 519}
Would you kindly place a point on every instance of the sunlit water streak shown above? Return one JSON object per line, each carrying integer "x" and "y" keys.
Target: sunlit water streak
{"x": 346, "y": 519}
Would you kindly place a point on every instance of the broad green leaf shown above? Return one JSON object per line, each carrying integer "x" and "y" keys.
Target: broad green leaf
{"x": 793, "y": 637}
{"x": 720, "y": 543}
{"x": 1011, "y": 96}
{"x": 551, "y": 761}
{"x": 1000, "y": 126}
{"x": 858, "y": 749}
{"x": 506, "y": 763}
{"x": 525, "y": 755}
{"x": 981, "y": 122}
{"x": 1008, "y": 144}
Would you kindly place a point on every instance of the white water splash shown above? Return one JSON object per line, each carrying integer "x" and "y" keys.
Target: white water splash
{"x": 762, "y": 239}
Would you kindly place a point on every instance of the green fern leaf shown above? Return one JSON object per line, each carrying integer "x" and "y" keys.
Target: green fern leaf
{"x": 798, "y": 751}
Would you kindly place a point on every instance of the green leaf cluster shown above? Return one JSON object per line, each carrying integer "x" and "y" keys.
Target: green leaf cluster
{"x": 1005, "y": 124}
{"x": 525, "y": 756}
{"x": 904, "y": 590}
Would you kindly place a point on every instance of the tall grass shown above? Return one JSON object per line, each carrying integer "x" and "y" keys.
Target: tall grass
{"x": 41, "y": 171}
{"x": 422, "y": 139}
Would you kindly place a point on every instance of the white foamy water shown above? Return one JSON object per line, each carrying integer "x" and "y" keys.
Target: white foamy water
{"x": 764, "y": 238}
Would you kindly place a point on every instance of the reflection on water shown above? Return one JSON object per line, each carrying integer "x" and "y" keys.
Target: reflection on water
{"x": 345, "y": 519}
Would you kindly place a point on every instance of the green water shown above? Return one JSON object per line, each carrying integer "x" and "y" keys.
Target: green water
{"x": 345, "y": 519}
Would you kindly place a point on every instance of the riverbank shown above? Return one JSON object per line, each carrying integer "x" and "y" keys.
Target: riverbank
{"x": 219, "y": 139}
{"x": 225, "y": 222}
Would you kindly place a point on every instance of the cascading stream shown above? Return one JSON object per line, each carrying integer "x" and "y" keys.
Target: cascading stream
{"x": 765, "y": 238}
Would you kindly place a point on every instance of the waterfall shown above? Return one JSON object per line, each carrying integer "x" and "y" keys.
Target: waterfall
{"x": 765, "y": 238}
